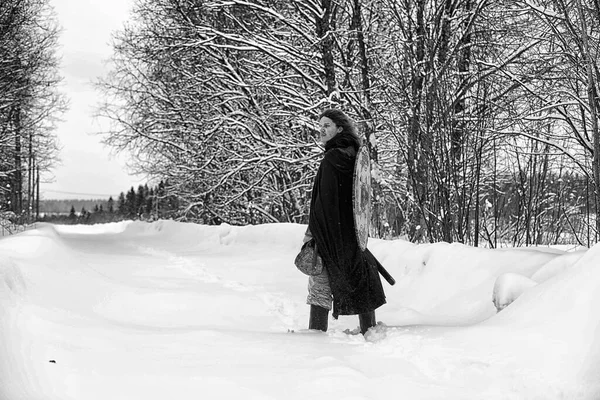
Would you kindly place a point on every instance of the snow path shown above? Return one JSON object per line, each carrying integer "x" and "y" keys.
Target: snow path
{"x": 279, "y": 304}
{"x": 167, "y": 310}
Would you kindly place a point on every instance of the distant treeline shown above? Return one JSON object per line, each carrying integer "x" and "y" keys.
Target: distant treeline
{"x": 145, "y": 203}
{"x": 64, "y": 206}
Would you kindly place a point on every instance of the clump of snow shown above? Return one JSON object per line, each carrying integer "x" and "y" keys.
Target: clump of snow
{"x": 172, "y": 310}
{"x": 508, "y": 287}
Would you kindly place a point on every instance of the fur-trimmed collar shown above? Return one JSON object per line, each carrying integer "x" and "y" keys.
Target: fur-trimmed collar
{"x": 342, "y": 140}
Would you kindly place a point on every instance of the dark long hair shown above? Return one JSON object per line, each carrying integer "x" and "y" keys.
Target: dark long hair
{"x": 348, "y": 136}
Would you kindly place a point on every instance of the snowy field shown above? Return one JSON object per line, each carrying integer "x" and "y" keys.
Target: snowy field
{"x": 183, "y": 311}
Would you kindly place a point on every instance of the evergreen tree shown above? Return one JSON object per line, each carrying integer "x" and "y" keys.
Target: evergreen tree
{"x": 160, "y": 195}
{"x": 85, "y": 216}
{"x": 130, "y": 203}
{"x": 122, "y": 205}
{"x": 111, "y": 205}
{"x": 140, "y": 200}
{"x": 149, "y": 206}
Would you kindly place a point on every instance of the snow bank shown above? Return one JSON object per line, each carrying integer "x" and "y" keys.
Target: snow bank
{"x": 12, "y": 287}
{"x": 558, "y": 265}
{"x": 19, "y": 260}
{"x": 45, "y": 239}
{"x": 215, "y": 237}
{"x": 508, "y": 287}
{"x": 563, "y": 310}
{"x": 95, "y": 229}
{"x": 166, "y": 309}
{"x": 451, "y": 284}
{"x": 440, "y": 283}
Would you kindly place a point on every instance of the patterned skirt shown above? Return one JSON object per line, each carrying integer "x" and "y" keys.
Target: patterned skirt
{"x": 319, "y": 291}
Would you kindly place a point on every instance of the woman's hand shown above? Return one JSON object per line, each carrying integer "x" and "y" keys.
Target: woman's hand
{"x": 307, "y": 236}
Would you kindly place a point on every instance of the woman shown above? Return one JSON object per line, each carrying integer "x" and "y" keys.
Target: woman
{"x": 348, "y": 278}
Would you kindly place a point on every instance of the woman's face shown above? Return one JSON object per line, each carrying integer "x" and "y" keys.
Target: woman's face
{"x": 328, "y": 129}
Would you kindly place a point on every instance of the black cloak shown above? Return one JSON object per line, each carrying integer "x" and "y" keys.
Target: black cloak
{"x": 353, "y": 277}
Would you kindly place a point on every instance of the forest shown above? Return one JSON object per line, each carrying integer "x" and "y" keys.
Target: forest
{"x": 481, "y": 117}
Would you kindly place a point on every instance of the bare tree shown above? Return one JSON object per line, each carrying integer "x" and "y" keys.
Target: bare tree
{"x": 29, "y": 100}
{"x": 220, "y": 99}
{"x": 567, "y": 91}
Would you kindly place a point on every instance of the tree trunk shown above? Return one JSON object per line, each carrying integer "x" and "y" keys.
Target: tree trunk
{"x": 30, "y": 182}
{"x": 367, "y": 124}
{"x": 37, "y": 197}
{"x": 17, "y": 186}
{"x": 324, "y": 33}
{"x": 415, "y": 163}
{"x": 464, "y": 63}
{"x": 592, "y": 100}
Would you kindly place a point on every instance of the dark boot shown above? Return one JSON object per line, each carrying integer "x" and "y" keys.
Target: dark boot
{"x": 319, "y": 317}
{"x": 366, "y": 320}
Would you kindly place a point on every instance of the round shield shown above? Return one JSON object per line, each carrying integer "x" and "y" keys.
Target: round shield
{"x": 361, "y": 196}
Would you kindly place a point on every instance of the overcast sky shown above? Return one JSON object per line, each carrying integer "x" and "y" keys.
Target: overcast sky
{"x": 87, "y": 169}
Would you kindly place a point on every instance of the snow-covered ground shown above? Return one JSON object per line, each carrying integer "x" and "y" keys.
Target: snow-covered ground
{"x": 183, "y": 311}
